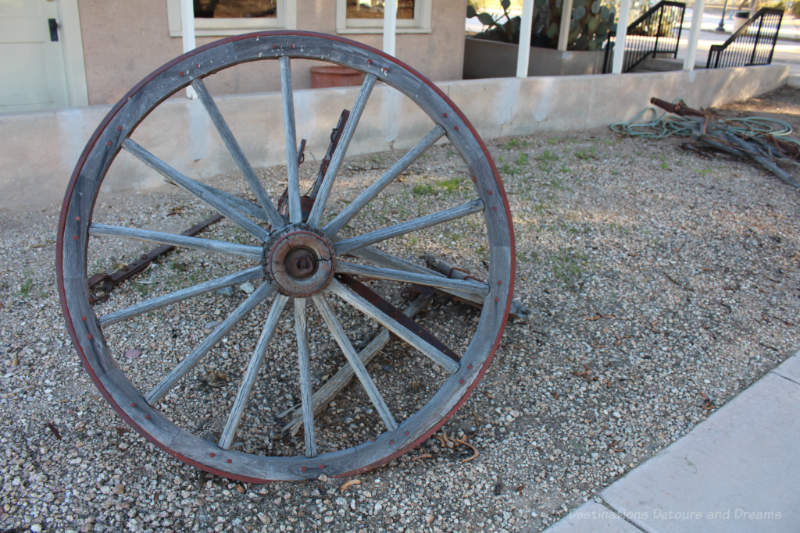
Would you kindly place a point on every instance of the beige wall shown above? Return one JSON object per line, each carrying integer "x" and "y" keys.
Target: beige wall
{"x": 123, "y": 41}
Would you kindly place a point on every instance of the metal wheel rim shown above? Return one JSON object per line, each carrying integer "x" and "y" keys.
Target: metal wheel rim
{"x": 73, "y": 237}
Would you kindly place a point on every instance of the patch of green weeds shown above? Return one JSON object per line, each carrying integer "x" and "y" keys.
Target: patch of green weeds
{"x": 25, "y": 287}
{"x": 585, "y": 155}
{"x": 569, "y": 266}
{"x": 142, "y": 289}
{"x": 423, "y": 189}
{"x": 521, "y": 160}
{"x": 547, "y": 157}
{"x": 704, "y": 171}
{"x": 450, "y": 185}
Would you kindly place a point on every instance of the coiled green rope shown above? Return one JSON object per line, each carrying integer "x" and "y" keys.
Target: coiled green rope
{"x": 663, "y": 125}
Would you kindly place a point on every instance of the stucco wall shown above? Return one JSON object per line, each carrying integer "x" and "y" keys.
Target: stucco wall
{"x": 124, "y": 41}
{"x": 183, "y": 135}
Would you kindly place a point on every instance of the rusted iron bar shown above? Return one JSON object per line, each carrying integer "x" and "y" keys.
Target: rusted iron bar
{"x": 679, "y": 108}
{"x": 396, "y": 314}
{"x": 517, "y": 311}
{"x": 336, "y": 134}
{"x": 767, "y": 150}
{"x": 101, "y": 285}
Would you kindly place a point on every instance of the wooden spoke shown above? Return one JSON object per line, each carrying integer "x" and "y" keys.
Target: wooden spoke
{"x": 436, "y": 355}
{"x": 348, "y": 245}
{"x": 339, "y": 335}
{"x": 218, "y": 202}
{"x": 341, "y": 149}
{"x": 438, "y": 281}
{"x": 235, "y": 416}
{"x": 176, "y": 240}
{"x": 328, "y": 391}
{"x": 300, "y": 327}
{"x": 173, "y": 297}
{"x": 377, "y": 186}
{"x": 293, "y": 188}
{"x": 275, "y": 219}
{"x": 220, "y": 331}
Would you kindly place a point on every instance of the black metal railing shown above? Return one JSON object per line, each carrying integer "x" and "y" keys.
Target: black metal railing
{"x": 752, "y": 44}
{"x": 657, "y": 31}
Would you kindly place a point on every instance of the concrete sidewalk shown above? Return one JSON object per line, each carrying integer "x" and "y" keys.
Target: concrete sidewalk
{"x": 737, "y": 471}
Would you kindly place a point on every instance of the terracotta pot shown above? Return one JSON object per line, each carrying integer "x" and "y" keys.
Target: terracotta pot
{"x": 335, "y": 76}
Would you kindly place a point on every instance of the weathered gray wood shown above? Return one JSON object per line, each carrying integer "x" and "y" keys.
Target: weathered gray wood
{"x": 394, "y": 326}
{"x": 440, "y": 282}
{"x": 213, "y": 338}
{"x": 240, "y": 403}
{"x": 339, "y": 335}
{"x": 348, "y": 245}
{"x": 341, "y": 148}
{"x": 176, "y": 240}
{"x": 236, "y": 152}
{"x": 217, "y": 202}
{"x": 160, "y": 301}
{"x": 293, "y": 187}
{"x": 301, "y": 334}
{"x": 100, "y": 154}
{"x": 328, "y": 391}
{"x": 518, "y": 310}
{"x": 367, "y": 195}
{"x": 379, "y": 257}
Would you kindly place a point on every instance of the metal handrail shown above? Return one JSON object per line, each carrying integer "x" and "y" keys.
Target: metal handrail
{"x": 742, "y": 48}
{"x": 635, "y": 53}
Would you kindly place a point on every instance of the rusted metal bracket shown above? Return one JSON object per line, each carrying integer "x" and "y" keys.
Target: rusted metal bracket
{"x": 336, "y": 134}
{"x": 101, "y": 285}
{"x": 517, "y": 311}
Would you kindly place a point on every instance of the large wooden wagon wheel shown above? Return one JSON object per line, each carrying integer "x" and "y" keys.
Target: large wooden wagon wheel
{"x": 324, "y": 273}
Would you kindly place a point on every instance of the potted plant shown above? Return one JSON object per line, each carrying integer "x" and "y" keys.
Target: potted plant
{"x": 493, "y": 52}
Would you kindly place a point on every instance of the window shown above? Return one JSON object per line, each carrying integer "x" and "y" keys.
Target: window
{"x": 231, "y": 17}
{"x": 366, "y": 16}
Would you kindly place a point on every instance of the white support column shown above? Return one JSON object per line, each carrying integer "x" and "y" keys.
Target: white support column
{"x": 694, "y": 33}
{"x": 622, "y": 34}
{"x": 187, "y": 31}
{"x": 566, "y": 19}
{"x": 524, "y": 49}
{"x": 389, "y": 26}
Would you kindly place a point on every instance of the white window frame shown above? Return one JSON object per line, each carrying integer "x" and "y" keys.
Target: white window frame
{"x": 421, "y": 23}
{"x": 212, "y": 27}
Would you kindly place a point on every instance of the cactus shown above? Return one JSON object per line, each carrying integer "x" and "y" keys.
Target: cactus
{"x": 592, "y": 20}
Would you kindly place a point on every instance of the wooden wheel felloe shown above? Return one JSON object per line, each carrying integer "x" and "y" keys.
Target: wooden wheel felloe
{"x": 329, "y": 273}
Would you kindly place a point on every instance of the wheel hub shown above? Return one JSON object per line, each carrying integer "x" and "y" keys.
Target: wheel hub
{"x": 299, "y": 260}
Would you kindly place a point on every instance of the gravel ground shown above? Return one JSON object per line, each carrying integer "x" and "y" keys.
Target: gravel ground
{"x": 661, "y": 284}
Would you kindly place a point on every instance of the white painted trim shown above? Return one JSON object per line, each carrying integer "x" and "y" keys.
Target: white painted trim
{"x": 205, "y": 27}
{"x": 622, "y": 34}
{"x": 421, "y": 23}
{"x": 694, "y": 34}
{"x": 524, "y": 48}
{"x": 188, "y": 36}
{"x": 389, "y": 26}
{"x": 74, "y": 67}
{"x": 563, "y": 29}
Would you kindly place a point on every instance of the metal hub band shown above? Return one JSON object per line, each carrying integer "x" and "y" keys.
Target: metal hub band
{"x": 299, "y": 261}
